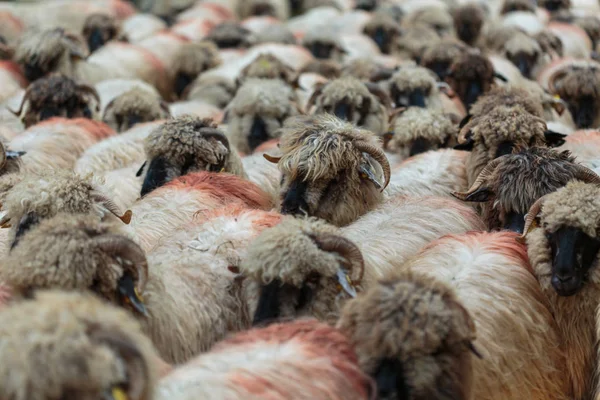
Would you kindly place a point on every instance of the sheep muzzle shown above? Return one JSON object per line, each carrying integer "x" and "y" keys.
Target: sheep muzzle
{"x": 390, "y": 380}
{"x": 514, "y": 222}
{"x": 258, "y": 133}
{"x": 584, "y": 112}
{"x": 293, "y": 201}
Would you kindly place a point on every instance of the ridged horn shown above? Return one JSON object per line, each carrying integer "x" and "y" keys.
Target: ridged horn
{"x": 126, "y": 249}
{"x": 345, "y": 248}
{"x": 219, "y": 136}
{"x": 379, "y": 156}
{"x": 586, "y": 175}
{"x": 111, "y": 206}
{"x": 532, "y": 214}
{"x": 481, "y": 178}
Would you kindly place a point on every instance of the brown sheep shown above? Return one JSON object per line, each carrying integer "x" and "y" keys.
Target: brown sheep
{"x": 331, "y": 169}
{"x": 470, "y": 76}
{"x": 57, "y": 96}
{"x": 440, "y": 56}
{"x": 99, "y": 29}
{"x": 384, "y": 31}
{"x": 183, "y": 145}
{"x": 417, "y": 130}
{"x": 414, "y": 337}
{"x": 258, "y": 111}
{"x": 73, "y": 346}
{"x": 579, "y": 86}
{"x": 363, "y": 104}
{"x": 231, "y": 35}
{"x": 300, "y": 268}
{"x": 468, "y": 21}
{"x": 511, "y": 184}
{"x": 134, "y": 107}
{"x": 193, "y": 59}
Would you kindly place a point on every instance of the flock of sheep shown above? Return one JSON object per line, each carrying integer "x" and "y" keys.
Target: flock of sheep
{"x": 299, "y": 199}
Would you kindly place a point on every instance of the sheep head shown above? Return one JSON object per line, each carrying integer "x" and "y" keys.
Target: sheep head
{"x": 518, "y": 5}
{"x": 257, "y": 112}
{"x": 231, "y": 35}
{"x": 468, "y": 21}
{"x": 38, "y": 197}
{"x": 98, "y": 351}
{"x": 324, "y": 44}
{"x": 509, "y": 185}
{"x": 183, "y": 145}
{"x": 507, "y": 96}
{"x": 57, "y": 96}
{"x": 133, "y": 107}
{"x": 471, "y": 76}
{"x": 99, "y": 29}
{"x": 9, "y": 160}
{"x": 366, "y": 69}
{"x": 413, "y": 42}
{"x": 384, "y": 30}
{"x": 414, "y": 87}
{"x": 52, "y": 50}
{"x": 267, "y": 66}
{"x": 562, "y": 236}
{"x": 331, "y": 169}
{"x": 78, "y": 253}
{"x": 417, "y": 130}
{"x": 215, "y": 90}
{"x": 550, "y": 44}
{"x": 364, "y": 104}
{"x": 439, "y": 57}
{"x": 250, "y": 8}
{"x": 524, "y": 52}
{"x": 414, "y": 337}
{"x": 327, "y": 68}
{"x": 193, "y": 59}
{"x": 554, "y": 5}
{"x": 579, "y": 86}
{"x": 437, "y": 18}
{"x": 302, "y": 268}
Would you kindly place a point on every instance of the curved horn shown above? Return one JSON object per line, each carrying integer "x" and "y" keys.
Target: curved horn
{"x": 2, "y": 156}
{"x": 557, "y": 75}
{"x": 111, "y": 206}
{"x": 344, "y": 247}
{"x": 586, "y": 175}
{"x": 92, "y": 92}
{"x": 126, "y": 249}
{"x": 313, "y": 98}
{"x": 379, "y": 156}
{"x": 531, "y": 216}
{"x": 218, "y": 136}
{"x": 271, "y": 159}
{"x": 483, "y": 176}
{"x": 462, "y": 134}
{"x": 23, "y": 101}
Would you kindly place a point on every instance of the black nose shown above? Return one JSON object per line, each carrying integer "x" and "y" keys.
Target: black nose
{"x": 258, "y": 133}
{"x": 182, "y": 81}
{"x": 293, "y": 202}
{"x": 95, "y": 40}
{"x": 565, "y": 285}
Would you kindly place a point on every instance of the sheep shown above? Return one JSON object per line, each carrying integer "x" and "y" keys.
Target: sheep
{"x": 414, "y": 86}
{"x": 577, "y": 84}
{"x": 193, "y": 59}
{"x": 438, "y": 18}
{"x": 264, "y": 174}
{"x": 229, "y": 35}
{"x": 585, "y": 146}
{"x": 507, "y": 96}
{"x": 9, "y": 160}
{"x": 298, "y": 359}
{"x": 324, "y": 44}
{"x": 330, "y": 169}
{"x": 57, "y": 96}
{"x": 99, "y": 29}
{"x": 439, "y": 56}
{"x": 555, "y": 5}
{"x": 517, "y": 336}
{"x": 363, "y": 104}
{"x": 366, "y": 69}
{"x": 257, "y": 112}
{"x": 414, "y": 337}
{"x": 384, "y": 31}
{"x": 55, "y": 50}
{"x": 214, "y": 90}
{"x": 562, "y": 243}
{"x": 524, "y": 52}
{"x": 414, "y": 41}
{"x": 328, "y": 69}
{"x": 550, "y": 43}
{"x": 101, "y": 351}
{"x": 300, "y": 268}
{"x": 468, "y": 22}
{"x": 517, "y": 5}
{"x": 38, "y": 197}
{"x": 470, "y": 76}
{"x": 417, "y": 130}
{"x": 267, "y": 66}
{"x": 133, "y": 107}
{"x": 183, "y": 145}
{"x": 509, "y": 185}
{"x": 273, "y": 8}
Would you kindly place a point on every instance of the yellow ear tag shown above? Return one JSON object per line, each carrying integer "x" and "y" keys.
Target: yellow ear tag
{"x": 119, "y": 394}
{"x": 556, "y": 97}
{"x": 138, "y": 295}
{"x": 222, "y": 169}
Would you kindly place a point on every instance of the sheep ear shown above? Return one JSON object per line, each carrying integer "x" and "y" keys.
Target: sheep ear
{"x": 13, "y": 155}
{"x": 554, "y": 139}
{"x": 371, "y": 171}
{"x": 396, "y": 112}
{"x": 139, "y": 173}
{"x": 76, "y": 47}
{"x": 498, "y": 75}
{"x": 313, "y": 98}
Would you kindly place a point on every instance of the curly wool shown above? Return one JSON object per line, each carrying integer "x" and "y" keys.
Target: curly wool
{"x": 411, "y": 78}
{"x": 135, "y": 102}
{"x": 182, "y": 137}
{"x": 327, "y": 37}
{"x": 507, "y": 96}
{"x": 444, "y": 52}
{"x": 80, "y": 334}
{"x": 419, "y": 321}
{"x": 416, "y": 123}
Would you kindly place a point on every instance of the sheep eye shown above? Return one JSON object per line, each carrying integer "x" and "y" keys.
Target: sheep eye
{"x": 313, "y": 278}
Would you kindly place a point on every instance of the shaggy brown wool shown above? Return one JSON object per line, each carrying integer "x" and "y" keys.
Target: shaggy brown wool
{"x": 133, "y": 107}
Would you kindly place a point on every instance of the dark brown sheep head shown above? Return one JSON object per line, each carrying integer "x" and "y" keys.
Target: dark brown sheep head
{"x": 384, "y": 30}
{"x": 414, "y": 337}
{"x": 440, "y": 56}
{"x": 555, "y": 5}
{"x": 79, "y": 254}
{"x": 231, "y": 35}
{"x": 471, "y": 76}
{"x": 331, "y": 169}
{"x": 468, "y": 21}
{"x": 518, "y": 5}
{"x": 193, "y": 59}
{"x": 134, "y": 107}
{"x": 509, "y": 185}
{"x": 301, "y": 267}
{"x": 250, "y": 8}
{"x": 183, "y": 145}
{"x": 579, "y": 86}
{"x": 54, "y": 50}
{"x": 100, "y": 29}
{"x": 57, "y": 96}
